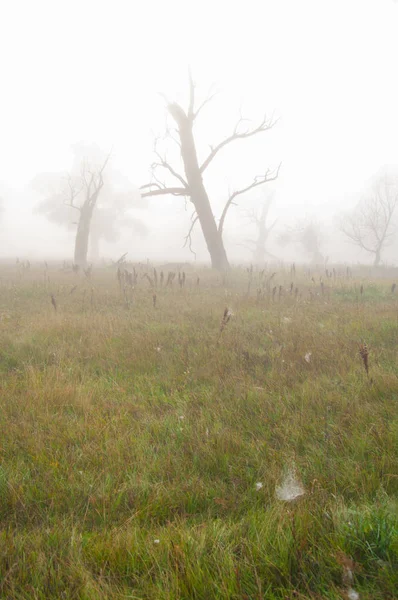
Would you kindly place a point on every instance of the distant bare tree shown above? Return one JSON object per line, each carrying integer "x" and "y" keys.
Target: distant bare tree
{"x": 76, "y": 194}
{"x": 310, "y": 238}
{"x": 259, "y": 218}
{"x": 88, "y": 188}
{"x": 371, "y": 226}
{"x": 306, "y": 234}
{"x": 191, "y": 185}
{"x": 89, "y": 200}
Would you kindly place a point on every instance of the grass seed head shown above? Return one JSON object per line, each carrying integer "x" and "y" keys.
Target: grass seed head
{"x": 54, "y": 302}
{"x": 364, "y": 353}
{"x": 226, "y": 317}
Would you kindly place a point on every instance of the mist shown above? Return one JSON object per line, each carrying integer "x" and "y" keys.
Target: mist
{"x": 83, "y": 80}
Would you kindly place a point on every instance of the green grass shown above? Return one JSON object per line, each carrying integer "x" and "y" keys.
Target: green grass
{"x": 132, "y": 438}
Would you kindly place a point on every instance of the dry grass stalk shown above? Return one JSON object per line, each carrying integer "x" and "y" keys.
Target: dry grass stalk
{"x": 151, "y": 283}
{"x": 120, "y": 277}
{"x": 154, "y": 300}
{"x": 170, "y": 278}
{"x": 181, "y": 279}
{"x": 364, "y": 353}
{"x": 268, "y": 283}
{"x": 54, "y": 302}
{"x": 128, "y": 278}
{"x": 225, "y": 319}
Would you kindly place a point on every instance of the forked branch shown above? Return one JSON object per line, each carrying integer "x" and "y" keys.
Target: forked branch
{"x": 259, "y": 180}
{"x": 73, "y": 193}
{"x": 163, "y": 164}
{"x": 265, "y": 125}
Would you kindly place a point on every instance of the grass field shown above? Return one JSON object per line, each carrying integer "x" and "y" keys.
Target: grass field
{"x": 146, "y": 454}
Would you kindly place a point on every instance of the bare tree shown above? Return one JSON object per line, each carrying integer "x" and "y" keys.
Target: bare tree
{"x": 88, "y": 188}
{"x": 307, "y": 234}
{"x": 371, "y": 226}
{"x": 72, "y": 199}
{"x": 260, "y": 219}
{"x": 191, "y": 185}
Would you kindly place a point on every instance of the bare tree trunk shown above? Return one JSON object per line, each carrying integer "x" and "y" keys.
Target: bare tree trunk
{"x": 82, "y": 236}
{"x": 198, "y": 193}
{"x": 214, "y": 242}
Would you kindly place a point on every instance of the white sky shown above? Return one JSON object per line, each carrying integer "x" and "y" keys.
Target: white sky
{"x": 91, "y": 70}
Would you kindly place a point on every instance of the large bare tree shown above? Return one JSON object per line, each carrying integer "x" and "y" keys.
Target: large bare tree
{"x": 371, "y": 225}
{"x": 190, "y": 184}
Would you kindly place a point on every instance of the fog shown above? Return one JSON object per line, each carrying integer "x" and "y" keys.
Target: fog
{"x": 98, "y": 76}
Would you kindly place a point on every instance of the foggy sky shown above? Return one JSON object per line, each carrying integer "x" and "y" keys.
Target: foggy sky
{"x": 86, "y": 70}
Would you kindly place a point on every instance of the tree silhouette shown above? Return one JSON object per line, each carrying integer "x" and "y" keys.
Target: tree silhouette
{"x": 88, "y": 201}
{"x": 371, "y": 225}
{"x": 190, "y": 184}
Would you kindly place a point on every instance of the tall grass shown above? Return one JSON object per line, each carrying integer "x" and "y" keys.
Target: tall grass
{"x": 133, "y": 445}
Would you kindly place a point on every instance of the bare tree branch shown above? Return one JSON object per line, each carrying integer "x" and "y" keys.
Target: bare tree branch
{"x": 191, "y": 114}
{"x": 353, "y": 232}
{"x": 165, "y": 165}
{"x": 162, "y": 191}
{"x": 206, "y": 101}
{"x": 265, "y": 125}
{"x": 73, "y": 193}
{"x": 259, "y": 180}
{"x": 188, "y": 237}
{"x": 169, "y": 134}
{"x": 93, "y": 182}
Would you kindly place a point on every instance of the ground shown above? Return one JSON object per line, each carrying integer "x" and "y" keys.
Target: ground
{"x": 144, "y": 445}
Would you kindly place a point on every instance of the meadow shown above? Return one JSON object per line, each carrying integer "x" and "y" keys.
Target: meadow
{"x": 210, "y": 437}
